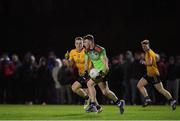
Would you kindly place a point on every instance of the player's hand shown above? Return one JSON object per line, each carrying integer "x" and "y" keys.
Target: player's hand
{"x": 157, "y": 57}
{"x": 86, "y": 75}
{"x": 101, "y": 75}
{"x": 66, "y": 55}
{"x": 142, "y": 62}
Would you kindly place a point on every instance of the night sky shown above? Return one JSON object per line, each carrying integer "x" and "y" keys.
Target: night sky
{"x": 43, "y": 25}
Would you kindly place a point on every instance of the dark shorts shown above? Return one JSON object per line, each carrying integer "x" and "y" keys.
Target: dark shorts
{"x": 102, "y": 79}
{"x": 152, "y": 80}
{"x": 82, "y": 81}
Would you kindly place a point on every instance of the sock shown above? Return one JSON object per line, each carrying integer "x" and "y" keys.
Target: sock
{"x": 98, "y": 106}
{"x": 118, "y": 102}
{"x": 93, "y": 103}
{"x": 170, "y": 100}
{"x": 147, "y": 97}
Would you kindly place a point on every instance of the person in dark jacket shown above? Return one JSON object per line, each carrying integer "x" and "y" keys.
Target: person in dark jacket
{"x": 66, "y": 77}
{"x": 28, "y": 75}
{"x": 138, "y": 70}
{"x": 45, "y": 83}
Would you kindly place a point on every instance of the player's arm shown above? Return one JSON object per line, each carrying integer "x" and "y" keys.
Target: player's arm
{"x": 157, "y": 57}
{"x": 86, "y": 67}
{"x": 148, "y": 62}
{"x": 70, "y": 62}
{"x": 69, "y": 57}
{"x": 104, "y": 60}
{"x": 151, "y": 59}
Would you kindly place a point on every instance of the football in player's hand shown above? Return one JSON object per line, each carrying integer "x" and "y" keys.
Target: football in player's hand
{"x": 94, "y": 73}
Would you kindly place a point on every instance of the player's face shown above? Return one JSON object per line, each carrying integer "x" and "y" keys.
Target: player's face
{"x": 79, "y": 44}
{"x": 87, "y": 44}
{"x": 145, "y": 47}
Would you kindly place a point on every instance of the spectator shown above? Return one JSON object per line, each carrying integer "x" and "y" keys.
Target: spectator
{"x": 55, "y": 70}
{"x": 138, "y": 70}
{"x": 116, "y": 76}
{"x": 51, "y": 60}
{"x": 127, "y": 71}
{"x": 162, "y": 66}
{"x": 172, "y": 81}
{"x": 65, "y": 77}
{"x": 177, "y": 76}
{"x": 16, "y": 79}
{"x": 45, "y": 82}
{"x": 7, "y": 69}
{"x": 28, "y": 76}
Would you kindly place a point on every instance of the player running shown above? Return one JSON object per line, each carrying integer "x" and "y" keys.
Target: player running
{"x": 77, "y": 59}
{"x": 97, "y": 55}
{"x": 152, "y": 76}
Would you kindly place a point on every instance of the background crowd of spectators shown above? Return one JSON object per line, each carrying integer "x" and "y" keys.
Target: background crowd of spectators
{"x": 47, "y": 80}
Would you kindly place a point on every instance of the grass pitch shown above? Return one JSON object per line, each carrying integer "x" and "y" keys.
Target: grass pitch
{"x": 76, "y": 112}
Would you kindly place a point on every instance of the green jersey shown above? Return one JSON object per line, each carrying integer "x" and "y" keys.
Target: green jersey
{"x": 96, "y": 55}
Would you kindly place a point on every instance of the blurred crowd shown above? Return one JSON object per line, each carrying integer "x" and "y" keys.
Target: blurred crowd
{"x": 47, "y": 80}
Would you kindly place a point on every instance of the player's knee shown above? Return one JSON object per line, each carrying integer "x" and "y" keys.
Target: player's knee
{"x": 73, "y": 88}
{"x": 161, "y": 90}
{"x": 105, "y": 92}
{"x": 139, "y": 85}
{"x": 89, "y": 83}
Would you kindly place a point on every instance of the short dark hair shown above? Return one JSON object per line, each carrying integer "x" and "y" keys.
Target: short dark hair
{"x": 78, "y": 38}
{"x": 145, "y": 42}
{"x": 89, "y": 37}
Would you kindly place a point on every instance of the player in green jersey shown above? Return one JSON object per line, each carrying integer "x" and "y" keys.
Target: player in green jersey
{"x": 97, "y": 55}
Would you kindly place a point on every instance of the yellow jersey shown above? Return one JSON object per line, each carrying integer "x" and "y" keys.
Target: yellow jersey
{"x": 79, "y": 60}
{"x": 152, "y": 70}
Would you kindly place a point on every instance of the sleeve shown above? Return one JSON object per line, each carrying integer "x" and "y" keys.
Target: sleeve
{"x": 103, "y": 53}
{"x": 71, "y": 55}
{"x": 153, "y": 55}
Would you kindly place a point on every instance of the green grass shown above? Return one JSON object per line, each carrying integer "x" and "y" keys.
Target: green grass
{"x": 76, "y": 112}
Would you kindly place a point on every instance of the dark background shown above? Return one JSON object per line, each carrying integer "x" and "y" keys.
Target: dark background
{"x": 43, "y": 25}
